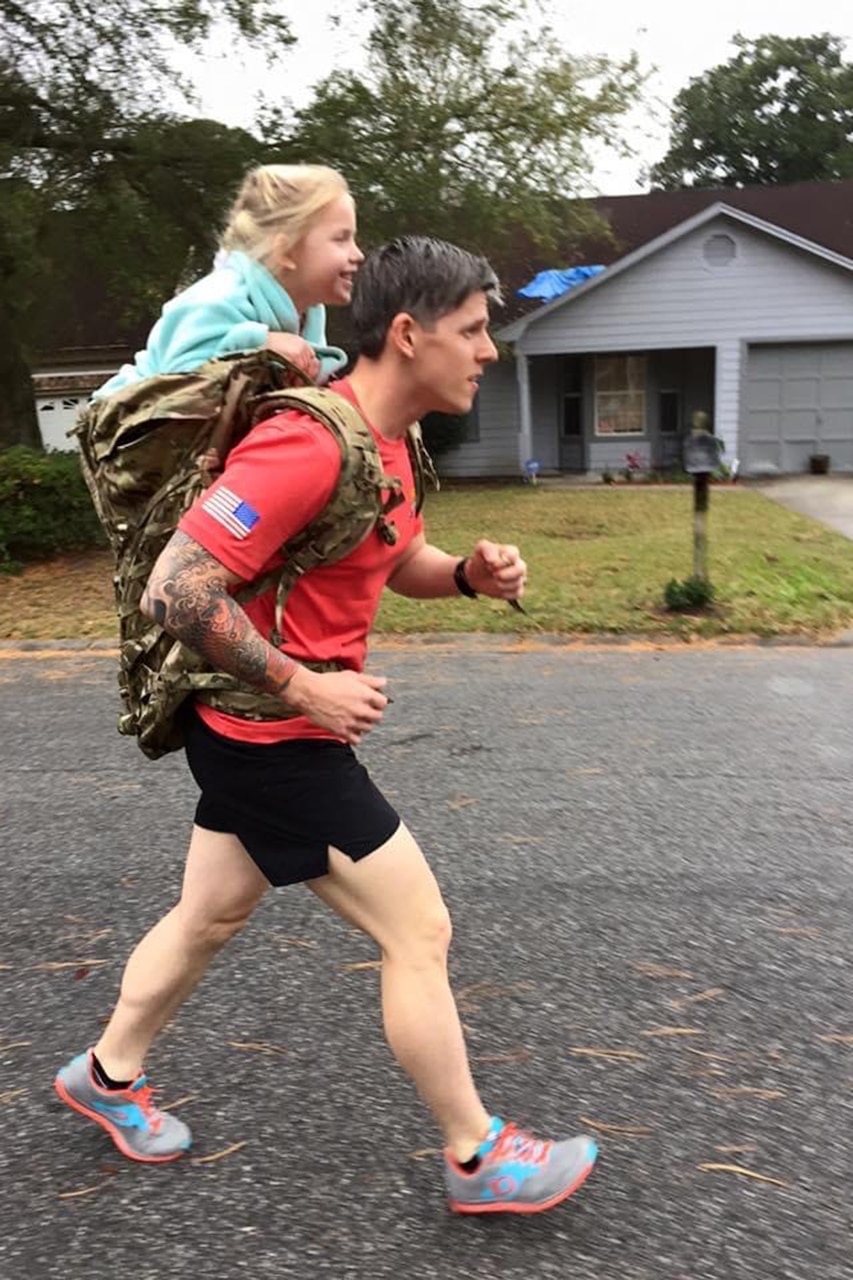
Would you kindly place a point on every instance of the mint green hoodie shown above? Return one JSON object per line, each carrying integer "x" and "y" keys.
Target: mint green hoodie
{"x": 231, "y": 309}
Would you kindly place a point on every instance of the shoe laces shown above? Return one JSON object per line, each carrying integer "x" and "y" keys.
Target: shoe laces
{"x": 144, "y": 1097}
{"x": 520, "y": 1145}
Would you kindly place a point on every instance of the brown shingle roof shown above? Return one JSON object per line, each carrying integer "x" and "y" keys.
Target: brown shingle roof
{"x": 818, "y": 211}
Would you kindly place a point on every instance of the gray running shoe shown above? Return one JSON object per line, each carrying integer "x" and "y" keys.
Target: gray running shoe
{"x": 518, "y": 1173}
{"x": 129, "y": 1116}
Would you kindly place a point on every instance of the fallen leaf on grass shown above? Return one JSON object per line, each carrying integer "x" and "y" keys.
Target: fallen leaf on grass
{"x": 660, "y": 1032}
{"x": 84, "y": 1191}
{"x": 711, "y": 1167}
{"x": 256, "y": 1046}
{"x": 356, "y": 965}
{"x": 651, "y": 970}
{"x": 745, "y": 1090}
{"x": 220, "y": 1155}
{"x": 425, "y": 1153}
{"x": 179, "y": 1102}
{"x": 630, "y": 1130}
{"x": 835, "y": 1039}
{"x": 513, "y": 1055}
{"x": 11, "y": 1094}
{"x": 631, "y": 1054}
{"x": 711, "y": 994}
{"x": 733, "y": 1151}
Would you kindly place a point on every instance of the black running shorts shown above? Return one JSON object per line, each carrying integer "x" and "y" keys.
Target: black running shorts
{"x": 287, "y": 801}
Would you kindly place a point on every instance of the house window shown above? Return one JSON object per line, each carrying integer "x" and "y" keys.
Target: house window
{"x": 669, "y": 413}
{"x": 620, "y": 395}
{"x": 572, "y": 416}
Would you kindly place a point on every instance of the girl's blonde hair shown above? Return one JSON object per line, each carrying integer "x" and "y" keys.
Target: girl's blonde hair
{"x": 279, "y": 200}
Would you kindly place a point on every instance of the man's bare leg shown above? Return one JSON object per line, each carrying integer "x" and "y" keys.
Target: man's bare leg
{"x": 393, "y": 896}
{"x": 221, "y": 888}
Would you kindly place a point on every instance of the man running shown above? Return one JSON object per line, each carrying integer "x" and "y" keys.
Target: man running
{"x": 286, "y": 801}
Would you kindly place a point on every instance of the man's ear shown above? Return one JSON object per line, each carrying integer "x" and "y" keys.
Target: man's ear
{"x": 402, "y": 335}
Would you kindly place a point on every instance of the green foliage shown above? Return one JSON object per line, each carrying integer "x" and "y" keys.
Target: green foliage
{"x": 79, "y": 84}
{"x": 44, "y": 506}
{"x": 690, "y": 596}
{"x": 467, "y": 124}
{"x": 779, "y": 111}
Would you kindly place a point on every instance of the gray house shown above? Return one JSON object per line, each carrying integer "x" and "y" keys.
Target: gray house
{"x": 724, "y": 312}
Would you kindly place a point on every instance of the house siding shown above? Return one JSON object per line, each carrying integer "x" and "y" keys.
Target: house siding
{"x": 674, "y": 300}
{"x": 496, "y": 451}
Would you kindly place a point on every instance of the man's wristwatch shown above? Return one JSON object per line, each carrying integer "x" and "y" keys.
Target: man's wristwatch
{"x": 463, "y": 586}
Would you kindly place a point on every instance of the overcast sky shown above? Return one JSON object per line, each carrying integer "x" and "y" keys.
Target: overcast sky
{"x": 679, "y": 47}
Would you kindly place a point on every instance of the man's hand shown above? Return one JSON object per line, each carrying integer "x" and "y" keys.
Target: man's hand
{"x": 296, "y": 350}
{"x": 495, "y": 569}
{"x": 347, "y": 703}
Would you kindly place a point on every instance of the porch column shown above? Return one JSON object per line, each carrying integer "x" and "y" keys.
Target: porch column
{"x": 525, "y": 424}
{"x": 728, "y": 375}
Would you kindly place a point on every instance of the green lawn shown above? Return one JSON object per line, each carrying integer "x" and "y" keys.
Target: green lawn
{"x": 598, "y": 560}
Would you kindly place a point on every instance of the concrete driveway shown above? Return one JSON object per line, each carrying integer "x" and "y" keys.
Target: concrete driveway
{"x": 825, "y": 498}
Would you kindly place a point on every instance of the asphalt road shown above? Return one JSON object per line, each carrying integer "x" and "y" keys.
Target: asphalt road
{"x": 630, "y": 842}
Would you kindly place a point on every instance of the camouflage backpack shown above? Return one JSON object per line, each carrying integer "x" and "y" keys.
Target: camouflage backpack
{"x": 146, "y": 456}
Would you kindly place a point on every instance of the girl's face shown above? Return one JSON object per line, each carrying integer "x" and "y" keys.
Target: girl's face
{"x": 322, "y": 265}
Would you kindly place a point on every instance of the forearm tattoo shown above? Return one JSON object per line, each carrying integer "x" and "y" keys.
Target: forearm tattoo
{"x": 188, "y": 596}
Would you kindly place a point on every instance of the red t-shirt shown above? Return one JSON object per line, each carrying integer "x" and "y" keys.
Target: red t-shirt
{"x": 276, "y": 480}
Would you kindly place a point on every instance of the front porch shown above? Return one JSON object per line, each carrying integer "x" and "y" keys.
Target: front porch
{"x": 586, "y": 412}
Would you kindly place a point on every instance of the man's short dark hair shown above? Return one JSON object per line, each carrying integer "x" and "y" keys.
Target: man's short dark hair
{"x": 423, "y": 277}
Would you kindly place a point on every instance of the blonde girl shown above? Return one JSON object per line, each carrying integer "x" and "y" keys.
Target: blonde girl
{"x": 287, "y": 252}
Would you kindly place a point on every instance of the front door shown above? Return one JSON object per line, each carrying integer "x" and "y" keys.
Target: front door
{"x": 570, "y": 415}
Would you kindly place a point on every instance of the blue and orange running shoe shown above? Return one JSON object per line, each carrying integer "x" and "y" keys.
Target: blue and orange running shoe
{"x": 129, "y": 1116}
{"x": 518, "y": 1173}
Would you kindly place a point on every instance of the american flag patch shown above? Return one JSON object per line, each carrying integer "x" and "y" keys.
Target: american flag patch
{"x": 231, "y": 512}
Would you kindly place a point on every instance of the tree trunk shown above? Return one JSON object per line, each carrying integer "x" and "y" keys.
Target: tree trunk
{"x": 18, "y": 423}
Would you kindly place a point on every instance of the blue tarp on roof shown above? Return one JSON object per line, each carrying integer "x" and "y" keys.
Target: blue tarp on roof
{"x": 550, "y": 284}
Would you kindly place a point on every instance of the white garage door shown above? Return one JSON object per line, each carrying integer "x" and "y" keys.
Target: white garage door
{"x": 799, "y": 401}
{"x": 56, "y": 415}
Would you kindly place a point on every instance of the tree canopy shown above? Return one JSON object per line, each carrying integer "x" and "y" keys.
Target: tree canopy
{"x": 81, "y": 130}
{"x": 779, "y": 111}
{"x": 468, "y": 123}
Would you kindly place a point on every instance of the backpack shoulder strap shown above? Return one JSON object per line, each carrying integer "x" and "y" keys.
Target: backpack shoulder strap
{"x": 423, "y": 467}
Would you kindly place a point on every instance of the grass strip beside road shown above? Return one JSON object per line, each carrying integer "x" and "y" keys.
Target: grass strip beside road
{"x": 598, "y": 560}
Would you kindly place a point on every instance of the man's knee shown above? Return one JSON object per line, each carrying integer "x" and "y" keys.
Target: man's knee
{"x": 211, "y": 931}
{"x": 427, "y": 941}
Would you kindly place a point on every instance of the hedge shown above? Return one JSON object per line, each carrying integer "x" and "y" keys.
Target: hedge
{"x": 44, "y": 507}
